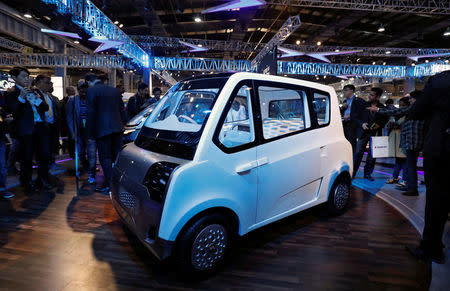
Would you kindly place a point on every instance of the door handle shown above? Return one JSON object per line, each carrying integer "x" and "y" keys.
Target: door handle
{"x": 246, "y": 167}
{"x": 262, "y": 161}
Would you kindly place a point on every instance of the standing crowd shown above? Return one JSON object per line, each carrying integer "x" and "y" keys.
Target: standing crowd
{"x": 420, "y": 124}
{"x": 90, "y": 119}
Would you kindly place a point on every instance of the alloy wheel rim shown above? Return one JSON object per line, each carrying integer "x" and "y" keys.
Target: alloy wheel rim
{"x": 341, "y": 195}
{"x": 209, "y": 247}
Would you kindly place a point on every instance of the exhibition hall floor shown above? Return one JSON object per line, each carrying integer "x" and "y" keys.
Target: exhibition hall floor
{"x": 64, "y": 241}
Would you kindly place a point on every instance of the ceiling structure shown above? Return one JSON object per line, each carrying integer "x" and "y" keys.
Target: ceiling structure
{"x": 345, "y": 25}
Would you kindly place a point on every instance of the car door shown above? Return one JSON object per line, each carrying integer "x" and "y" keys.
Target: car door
{"x": 235, "y": 154}
{"x": 288, "y": 155}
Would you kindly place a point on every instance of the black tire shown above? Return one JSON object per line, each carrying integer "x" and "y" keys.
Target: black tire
{"x": 339, "y": 197}
{"x": 217, "y": 230}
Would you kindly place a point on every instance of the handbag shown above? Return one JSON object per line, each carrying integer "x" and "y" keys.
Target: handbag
{"x": 379, "y": 145}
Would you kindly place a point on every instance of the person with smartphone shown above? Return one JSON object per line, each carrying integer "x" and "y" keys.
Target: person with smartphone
{"x": 31, "y": 129}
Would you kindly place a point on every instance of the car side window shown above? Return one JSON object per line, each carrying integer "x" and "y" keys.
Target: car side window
{"x": 321, "y": 104}
{"x": 283, "y": 111}
{"x": 237, "y": 128}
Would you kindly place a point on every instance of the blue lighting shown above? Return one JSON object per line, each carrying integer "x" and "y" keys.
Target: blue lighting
{"x": 95, "y": 22}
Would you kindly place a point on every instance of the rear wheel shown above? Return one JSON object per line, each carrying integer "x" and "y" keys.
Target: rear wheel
{"x": 203, "y": 247}
{"x": 339, "y": 196}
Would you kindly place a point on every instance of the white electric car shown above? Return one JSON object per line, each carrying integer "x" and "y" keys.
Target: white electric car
{"x": 222, "y": 155}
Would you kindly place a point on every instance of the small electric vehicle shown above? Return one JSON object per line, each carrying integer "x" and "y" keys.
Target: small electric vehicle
{"x": 222, "y": 155}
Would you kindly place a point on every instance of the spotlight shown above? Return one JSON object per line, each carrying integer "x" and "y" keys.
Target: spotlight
{"x": 121, "y": 25}
{"x": 381, "y": 28}
{"x": 28, "y": 15}
{"x": 297, "y": 42}
{"x": 76, "y": 42}
{"x": 319, "y": 43}
{"x": 388, "y": 52}
{"x": 446, "y": 61}
{"x": 426, "y": 61}
{"x": 116, "y": 22}
{"x": 373, "y": 63}
{"x": 198, "y": 19}
{"x": 447, "y": 32}
{"x": 337, "y": 51}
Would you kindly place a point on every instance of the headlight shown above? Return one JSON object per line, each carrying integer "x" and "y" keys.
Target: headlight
{"x": 157, "y": 178}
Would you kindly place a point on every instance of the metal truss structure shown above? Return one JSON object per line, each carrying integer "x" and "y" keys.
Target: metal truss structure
{"x": 11, "y": 45}
{"x": 301, "y": 68}
{"x": 93, "y": 20}
{"x": 149, "y": 41}
{"x": 200, "y": 64}
{"x": 291, "y": 25}
{"x": 61, "y": 60}
{"x": 403, "y": 6}
{"x": 428, "y": 69}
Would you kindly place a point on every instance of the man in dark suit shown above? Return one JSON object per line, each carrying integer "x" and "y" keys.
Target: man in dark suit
{"x": 372, "y": 126}
{"x": 28, "y": 110}
{"x": 105, "y": 123}
{"x": 52, "y": 116}
{"x": 135, "y": 102}
{"x": 434, "y": 106}
{"x": 352, "y": 115}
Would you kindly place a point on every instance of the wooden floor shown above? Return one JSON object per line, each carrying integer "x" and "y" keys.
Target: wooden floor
{"x": 60, "y": 241}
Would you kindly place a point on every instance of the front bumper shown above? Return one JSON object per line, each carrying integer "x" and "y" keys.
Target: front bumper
{"x": 141, "y": 214}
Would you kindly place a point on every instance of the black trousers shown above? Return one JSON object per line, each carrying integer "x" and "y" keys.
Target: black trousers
{"x": 54, "y": 142}
{"x": 350, "y": 134}
{"x": 358, "y": 156}
{"x": 39, "y": 144}
{"x": 108, "y": 148}
{"x": 437, "y": 206}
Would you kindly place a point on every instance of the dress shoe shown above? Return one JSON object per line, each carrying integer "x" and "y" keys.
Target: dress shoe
{"x": 411, "y": 192}
{"x": 103, "y": 189}
{"x": 369, "y": 177}
{"x": 401, "y": 188}
{"x": 423, "y": 255}
{"x": 6, "y": 194}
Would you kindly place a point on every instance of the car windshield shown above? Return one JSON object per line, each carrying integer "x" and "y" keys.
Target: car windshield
{"x": 175, "y": 125}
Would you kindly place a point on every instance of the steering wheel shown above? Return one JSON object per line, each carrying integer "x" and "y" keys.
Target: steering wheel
{"x": 187, "y": 118}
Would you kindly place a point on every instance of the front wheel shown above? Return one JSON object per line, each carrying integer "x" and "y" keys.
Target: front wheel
{"x": 203, "y": 247}
{"x": 339, "y": 197}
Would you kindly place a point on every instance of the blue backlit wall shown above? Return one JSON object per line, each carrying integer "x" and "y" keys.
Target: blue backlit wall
{"x": 93, "y": 20}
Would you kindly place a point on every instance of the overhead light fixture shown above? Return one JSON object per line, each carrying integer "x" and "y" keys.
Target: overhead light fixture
{"x": 413, "y": 64}
{"x": 47, "y": 17}
{"x": 447, "y": 32}
{"x": 116, "y": 22}
{"x": 446, "y": 61}
{"x": 388, "y": 52}
{"x": 297, "y": 42}
{"x": 28, "y": 15}
{"x": 200, "y": 45}
{"x": 384, "y": 63}
{"x": 319, "y": 43}
{"x": 121, "y": 25}
{"x": 76, "y": 42}
{"x": 381, "y": 28}
{"x": 198, "y": 19}
{"x": 374, "y": 63}
{"x": 426, "y": 61}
